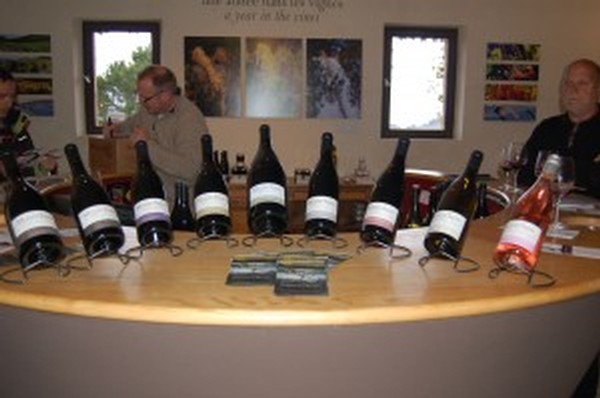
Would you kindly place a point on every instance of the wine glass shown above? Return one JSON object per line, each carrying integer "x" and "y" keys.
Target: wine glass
{"x": 565, "y": 181}
{"x": 513, "y": 158}
{"x": 540, "y": 160}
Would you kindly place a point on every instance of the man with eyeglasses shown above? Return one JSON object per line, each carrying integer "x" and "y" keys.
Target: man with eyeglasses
{"x": 170, "y": 124}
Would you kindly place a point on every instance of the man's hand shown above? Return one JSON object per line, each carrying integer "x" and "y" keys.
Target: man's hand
{"x": 138, "y": 134}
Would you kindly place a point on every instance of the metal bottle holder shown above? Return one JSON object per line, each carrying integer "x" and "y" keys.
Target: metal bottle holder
{"x": 284, "y": 240}
{"x": 194, "y": 243}
{"x": 153, "y": 244}
{"x": 103, "y": 252}
{"x": 336, "y": 242}
{"x": 547, "y": 279}
{"x": 405, "y": 251}
{"x": 62, "y": 268}
{"x": 474, "y": 265}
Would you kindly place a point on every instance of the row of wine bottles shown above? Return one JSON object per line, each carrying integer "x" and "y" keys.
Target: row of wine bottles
{"x": 36, "y": 236}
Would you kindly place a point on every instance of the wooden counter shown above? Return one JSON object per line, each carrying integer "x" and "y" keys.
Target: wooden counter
{"x": 369, "y": 288}
{"x": 170, "y": 327}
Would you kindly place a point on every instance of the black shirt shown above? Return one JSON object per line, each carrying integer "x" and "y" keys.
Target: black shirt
{"x": 560, "y": 135}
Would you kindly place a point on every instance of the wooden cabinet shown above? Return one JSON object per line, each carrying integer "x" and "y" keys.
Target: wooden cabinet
{"x": 352, "y": 203}
{"x": 111, "y": 156}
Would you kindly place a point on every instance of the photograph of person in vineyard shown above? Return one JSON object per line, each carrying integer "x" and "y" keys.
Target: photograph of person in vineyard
{"x": 334, "y": 78}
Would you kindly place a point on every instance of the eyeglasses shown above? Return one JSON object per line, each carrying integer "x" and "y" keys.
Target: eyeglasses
{"x": 148, "y": 99}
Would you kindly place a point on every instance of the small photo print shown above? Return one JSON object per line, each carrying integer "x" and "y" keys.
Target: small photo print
{"x": 511, "y": 92}
{"x": 510, "y": 113}
{"x": 513, "y": 52}
{"x": 28, "y": 65}
{"x": 34, "y": 86}
{"x": 25, "y": 43}
{"x": 517, "y": 72}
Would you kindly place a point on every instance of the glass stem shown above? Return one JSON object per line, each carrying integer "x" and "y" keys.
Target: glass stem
{"x": 557, "y": 212}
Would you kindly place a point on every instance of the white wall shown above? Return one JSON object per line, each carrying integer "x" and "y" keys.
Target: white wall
{"x": 565, "y": 29}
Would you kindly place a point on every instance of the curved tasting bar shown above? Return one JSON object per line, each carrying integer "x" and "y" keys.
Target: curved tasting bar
{"x": 169, "y": 326}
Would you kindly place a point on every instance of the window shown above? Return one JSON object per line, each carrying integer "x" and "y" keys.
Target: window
{"x": 419, "y": 82}
{"x": 113, "y": 54}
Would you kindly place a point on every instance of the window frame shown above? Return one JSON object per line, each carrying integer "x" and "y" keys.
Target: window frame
{"x": 451, "y": 35}
{"x": 89, "y": 28}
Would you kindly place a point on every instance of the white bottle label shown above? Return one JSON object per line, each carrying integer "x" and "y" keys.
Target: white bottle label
{"x": 321, "y": 207}
{"x": 211, "y": 203}
{"x": 381, "y": 215}
{"x": 521, "y": 233}
{"x": 98, "y": 214}
{"x": 448, "y": 222}
{"x": 33, "y": 223}
{"x": 153, "y": 209}
{"x": 267, "y": 192}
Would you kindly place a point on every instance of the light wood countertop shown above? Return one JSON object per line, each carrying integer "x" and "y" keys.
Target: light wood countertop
{"x": 367, "y": 289}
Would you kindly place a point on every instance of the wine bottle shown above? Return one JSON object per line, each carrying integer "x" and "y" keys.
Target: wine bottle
{"x": 381, "y": 215}
{"x": 211, "y": 199}
{"x": 224, "y": 165}
{"x": 482, "y": 210}
{"x": 239, "y": 169}
{"x": 31, "y": 226}
{"x": 434, "y": 196}
{"x": 521, "y": 239}
{"x": 267, "y": 190}
{"x": 181, "y": 214}
{"x": 448, "y": 229}
{"x": 97, "y": 220}
{"x": 323, "y": 193}
{"x": 151, "y": 211}
{"x": 414, "y": 219}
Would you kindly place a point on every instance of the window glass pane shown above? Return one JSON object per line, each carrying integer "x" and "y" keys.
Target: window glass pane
{"x": 418, "y": 83}
{"x": 118, "y": 57}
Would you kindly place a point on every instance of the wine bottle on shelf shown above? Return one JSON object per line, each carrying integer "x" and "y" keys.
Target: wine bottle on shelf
{"x": 239, "y": 168}
{"x": 224, "y": 165}
{"x": 414, "y": 219}
{"x": 482, "y": 210}
{"x": 32, "y": 227}
{"x": 521, "y": 239}
{"x": 381, "y": 215}
{"x": 151, "y": 211}
{"x": 97, "y": 220}
{"x": 448, "y": 229}
{"x": 211, "y": 198}
{"x": 323, "y": 193}
{"x": 432, "y": 205}
{"x": 181, "y": 214}
{"x": 267, "y": 190}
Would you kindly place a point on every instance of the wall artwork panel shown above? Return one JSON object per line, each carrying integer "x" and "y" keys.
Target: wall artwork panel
{"x": 273, "y": 78}
{"x": 333, "y": 74}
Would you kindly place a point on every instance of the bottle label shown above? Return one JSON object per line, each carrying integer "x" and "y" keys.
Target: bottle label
{"x": 211, "y": 203}
{"x": 321, "y": 207}
{"x": 381, "y": 215}
{"x": 267, "y": 192}
{"x": 521, "y": 233}
{"x": 31, "y": 224}
{"x": 97, "y": 217}
{"x": 448, "y": 222}
{"x": 152, "y": 209}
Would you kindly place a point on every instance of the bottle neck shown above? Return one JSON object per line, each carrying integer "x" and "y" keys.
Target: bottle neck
{"x": 12, "y": 169}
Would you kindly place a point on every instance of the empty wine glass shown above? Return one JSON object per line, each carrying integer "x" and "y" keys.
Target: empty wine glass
{"x": 565, "y": 181}
{"x": 513, "y": 158}
{"x": 540, "y": 160}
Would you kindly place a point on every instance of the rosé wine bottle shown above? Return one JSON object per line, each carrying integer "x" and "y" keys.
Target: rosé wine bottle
{"x": 519, "y": 245}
